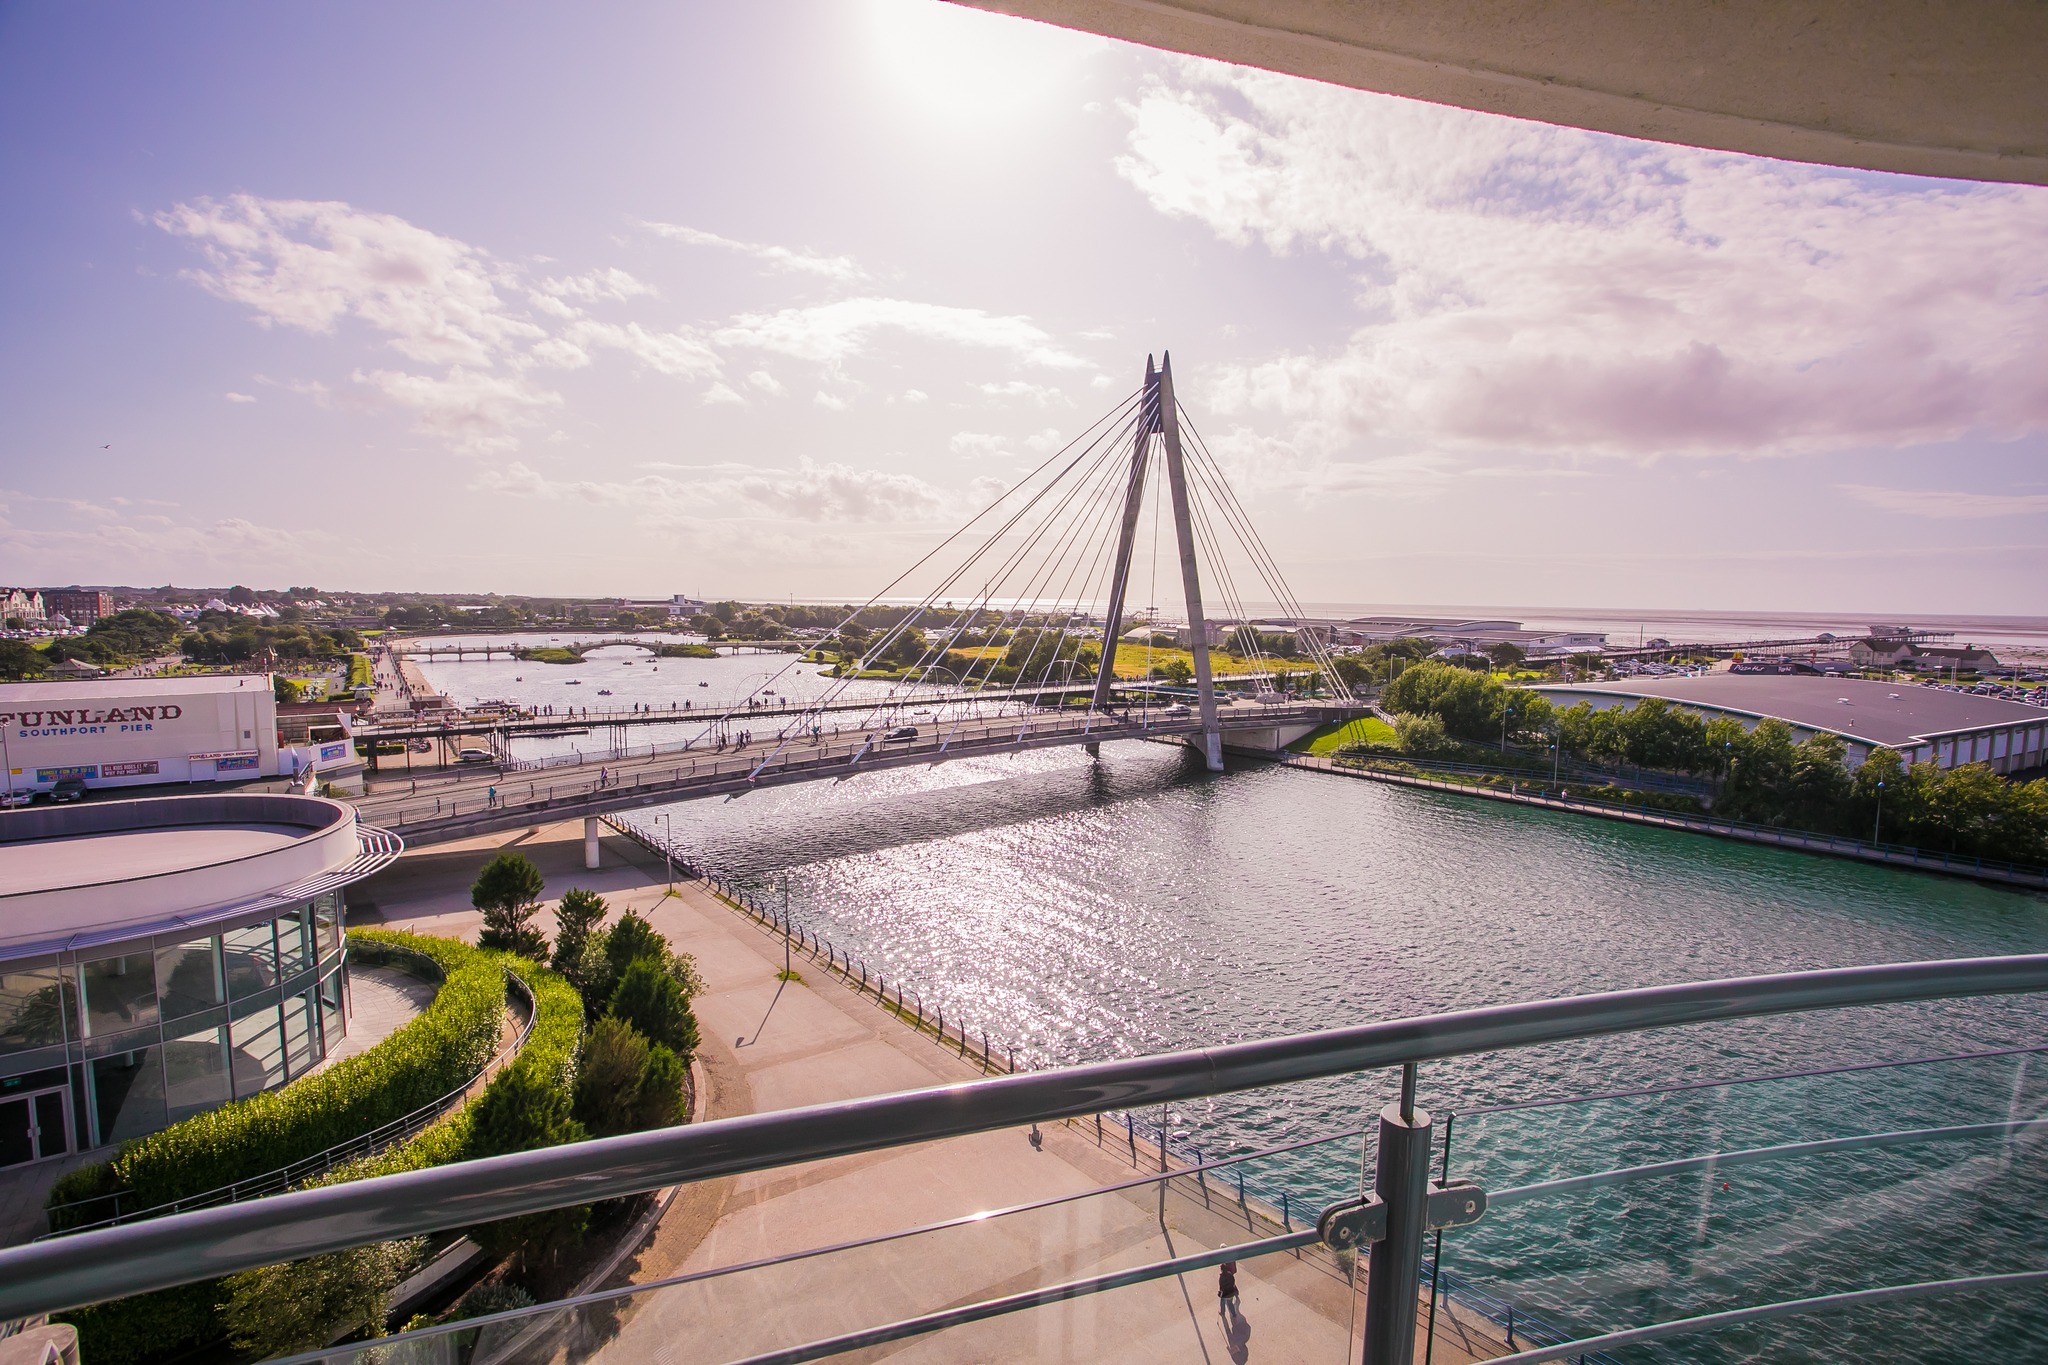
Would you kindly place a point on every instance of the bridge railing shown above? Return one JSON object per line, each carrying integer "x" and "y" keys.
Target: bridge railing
{"x": 800, "y": 759}
{"x": 1782, "y": 1214}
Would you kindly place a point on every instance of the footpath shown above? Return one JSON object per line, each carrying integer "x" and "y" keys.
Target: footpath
{"x": 771, "y": 1044}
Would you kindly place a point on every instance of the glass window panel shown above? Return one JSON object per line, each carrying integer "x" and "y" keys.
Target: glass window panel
{"x": 17, "y": 1145}
{"x": 333, "y": 1020}
{"x": 294, "y": 944}
{"x": 32, "y": 1008}
{"x": 190, "y": 978}
{"x": 327, "y": 923}
{"x": 301, "y": 1041}
{"x": 120, "y": 992}
{"x": 258, "y": 1046}
{"x": 128, "y": 1087}
{"x": 249, "y": 959}
{"x": 196, "y": 1073}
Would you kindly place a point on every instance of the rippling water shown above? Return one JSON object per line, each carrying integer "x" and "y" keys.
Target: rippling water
{"x": 1082, "y": 909}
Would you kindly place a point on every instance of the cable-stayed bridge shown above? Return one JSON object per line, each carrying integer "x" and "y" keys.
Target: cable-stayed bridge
{"x": 1012, "y": 639}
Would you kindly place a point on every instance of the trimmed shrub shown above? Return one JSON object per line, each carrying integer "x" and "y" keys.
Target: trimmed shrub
{"x": 624, "y": 1083}
{"x": 576, "y": 917}
{"x": 649, "y": 999}
{"x": 277, "y": 1310}
{"x": 660, "y": 1101}
{"x": 508, "y": 892}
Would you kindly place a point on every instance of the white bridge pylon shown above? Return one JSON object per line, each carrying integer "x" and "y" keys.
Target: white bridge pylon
{"x": 1021, "y": 608}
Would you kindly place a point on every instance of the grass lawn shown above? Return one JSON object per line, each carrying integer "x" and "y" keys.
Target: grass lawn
{"x": 1330, "y": 738}
{"x": 1133, "y": 661}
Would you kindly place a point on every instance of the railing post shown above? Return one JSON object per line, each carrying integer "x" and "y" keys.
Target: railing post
{"x": 1393, "y": 1277}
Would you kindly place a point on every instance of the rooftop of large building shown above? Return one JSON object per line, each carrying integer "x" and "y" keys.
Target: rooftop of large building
{"x": 88, "y": 690}
{"x": 106, "y": 871}
{"x": 1890, "y": 714}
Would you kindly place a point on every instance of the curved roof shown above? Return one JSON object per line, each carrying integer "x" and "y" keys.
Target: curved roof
{"x": 1887, "y": 85}
{"x": 104, "y": 872}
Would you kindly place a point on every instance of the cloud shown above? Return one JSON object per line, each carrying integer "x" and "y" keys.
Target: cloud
{"x": 767, "y": 383}
{"x": 831, "y": 333}
{"x": 597, "y": 286}
{"x": 977, "y": 444}
{"x": 1522, "y": 287}
{"x": 1947, "y": 506}
{"x": 682, "y": 353}
{"x": 915, "y": 395}
{"x": 781, "y": 258}
{"x": 1044, "y": 395}
{"x": 309, "y": 264}
{"x": 239, "y": 397}
{"x": 829, "y": 401}
{"x": 436, "y": 301}
{"x": 124, "y": 544}
{"x": 473, "y": 411}
{"x": 809, "y": 493}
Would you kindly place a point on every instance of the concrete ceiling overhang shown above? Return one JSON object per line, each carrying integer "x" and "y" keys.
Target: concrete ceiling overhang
{"x": 1915, "y": 86}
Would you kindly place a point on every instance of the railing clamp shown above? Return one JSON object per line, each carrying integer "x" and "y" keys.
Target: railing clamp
{"x": 1456, "y": 1204}
{"x": 1346, "y": 1227}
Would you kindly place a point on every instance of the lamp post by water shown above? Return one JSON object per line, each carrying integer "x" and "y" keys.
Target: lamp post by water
{"x": 668, "y": 848}
{"x": 1876, "y": 819}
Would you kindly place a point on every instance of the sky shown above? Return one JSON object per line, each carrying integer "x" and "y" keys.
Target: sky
{"x": 763, "y": 300}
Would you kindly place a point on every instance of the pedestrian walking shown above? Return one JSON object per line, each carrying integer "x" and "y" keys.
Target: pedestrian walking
{"x": 1226, "y": 1289}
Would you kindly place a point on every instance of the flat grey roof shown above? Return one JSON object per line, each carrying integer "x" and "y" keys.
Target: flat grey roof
{"x": 1891, "y": 714}
{"x": 124, "y": 855}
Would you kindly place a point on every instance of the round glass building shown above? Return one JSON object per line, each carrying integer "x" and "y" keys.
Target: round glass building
{"x": 161, "y": 957}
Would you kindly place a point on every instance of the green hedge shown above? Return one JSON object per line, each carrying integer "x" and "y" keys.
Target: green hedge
{"x": 149, "y": 1326}
{"x": 422, "y": 1062}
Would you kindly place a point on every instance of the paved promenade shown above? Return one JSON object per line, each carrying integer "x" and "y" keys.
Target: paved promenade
{"x": 813, "y": 1041}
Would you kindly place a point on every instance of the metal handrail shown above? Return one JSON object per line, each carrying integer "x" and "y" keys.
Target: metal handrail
{"x": 160, "y": 1253}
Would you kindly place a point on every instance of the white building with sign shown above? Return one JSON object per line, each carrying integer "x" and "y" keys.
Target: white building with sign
{"x": 127, "y": 732}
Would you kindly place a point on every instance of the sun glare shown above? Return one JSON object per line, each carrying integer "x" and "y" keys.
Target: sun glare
{"x": 968, "y": 70}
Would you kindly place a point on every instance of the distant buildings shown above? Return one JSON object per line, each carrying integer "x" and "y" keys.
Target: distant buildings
{"x": 1461, "y": 634}
{"x": 1924, "y": 724}
{"x": 80, "y": 606}
{"x": 1910, "y": 657}
{"x": 24, "y": 604}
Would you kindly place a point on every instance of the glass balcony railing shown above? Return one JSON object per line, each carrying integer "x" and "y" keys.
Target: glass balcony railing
{"x": 1886, "y": 1209}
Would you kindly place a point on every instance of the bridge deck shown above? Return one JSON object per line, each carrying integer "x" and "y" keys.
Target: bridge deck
{"x": 468, "y": 804}
{"x": 392, "y": 732}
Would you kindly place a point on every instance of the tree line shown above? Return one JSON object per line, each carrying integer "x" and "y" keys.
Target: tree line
{"x": 1763, "y": 775}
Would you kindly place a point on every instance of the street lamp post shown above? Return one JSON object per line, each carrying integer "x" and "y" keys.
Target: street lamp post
{"x": 668, "y": 848}
{"x": 1878, "y": 818}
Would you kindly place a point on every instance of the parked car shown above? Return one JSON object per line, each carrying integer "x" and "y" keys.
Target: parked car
{"x": 68, "y": 789}
{"x": 23, "y": 797}
{"x": 901, "y": 732}
{"x": 476, "y": 756}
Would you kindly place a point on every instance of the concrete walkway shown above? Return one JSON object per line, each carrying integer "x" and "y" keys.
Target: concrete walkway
{"x": 813, "y": 1041}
